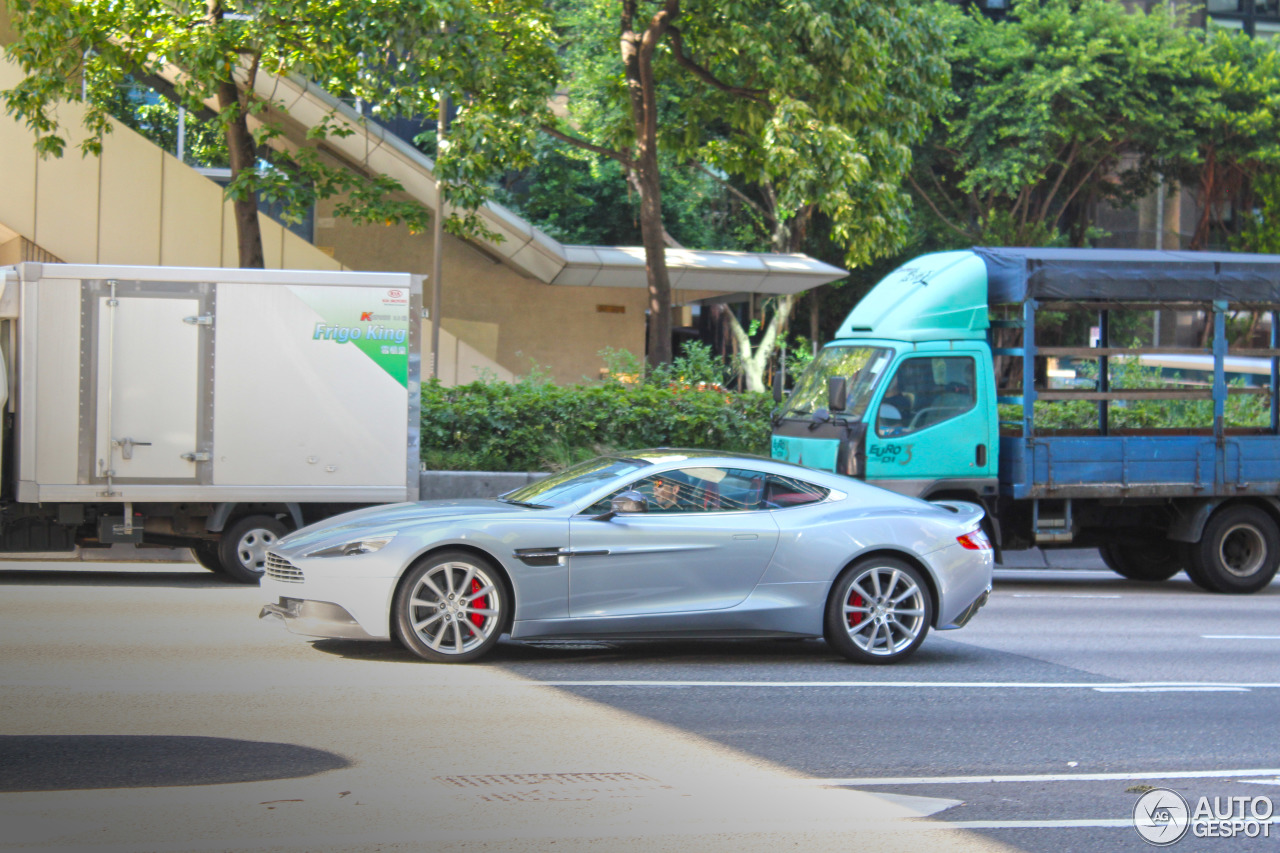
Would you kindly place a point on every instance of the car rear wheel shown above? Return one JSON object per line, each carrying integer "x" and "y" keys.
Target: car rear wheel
{"x": 879, "y": 611}
{"x": 450, "y": 608}
{"x": 242, "y": 548}
{"x": 1157, "y": 560}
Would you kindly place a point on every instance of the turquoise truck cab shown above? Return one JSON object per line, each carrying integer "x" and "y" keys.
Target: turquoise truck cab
{"x": 905, "y": 396}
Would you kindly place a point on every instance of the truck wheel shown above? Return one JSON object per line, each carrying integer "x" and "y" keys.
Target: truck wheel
{"x": 242, "y": 548}
{"x": 1151, "y": 561}
{"x": 206, "y": 554}
{"x": 1239, "y": 551}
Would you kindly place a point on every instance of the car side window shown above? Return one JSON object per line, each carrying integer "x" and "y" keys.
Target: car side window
{"x": 925, "y": 392}
{"x": 783, "y": 492}
{"x": 698, "y": 489}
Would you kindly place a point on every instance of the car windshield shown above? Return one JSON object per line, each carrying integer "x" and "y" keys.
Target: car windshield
{"x": 573, "y": 483}
{"x": 861, "y": 368}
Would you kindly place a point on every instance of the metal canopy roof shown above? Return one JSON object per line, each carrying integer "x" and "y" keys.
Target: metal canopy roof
{"x": 1129, "y": 275}
{"x": 525, "y": 247}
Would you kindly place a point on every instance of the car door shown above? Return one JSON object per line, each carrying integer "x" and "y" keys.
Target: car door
{"x": 706, "y": 551}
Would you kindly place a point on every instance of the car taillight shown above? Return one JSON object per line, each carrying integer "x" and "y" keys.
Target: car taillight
{"x": 975, "y": 540}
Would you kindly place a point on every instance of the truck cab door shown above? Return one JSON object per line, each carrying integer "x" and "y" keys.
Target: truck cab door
{"x": 932, "y": 422}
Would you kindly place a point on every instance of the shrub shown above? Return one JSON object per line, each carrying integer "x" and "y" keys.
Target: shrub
{"x": 532, "y": 425}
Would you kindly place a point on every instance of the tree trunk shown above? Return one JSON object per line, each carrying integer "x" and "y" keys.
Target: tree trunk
{"x": 655, "y": 263}
{"x": 637, "y": 59}
{"x": 788, "y": 236}
{"x": 241, "y": 148}
{"x": 755, "y": 361}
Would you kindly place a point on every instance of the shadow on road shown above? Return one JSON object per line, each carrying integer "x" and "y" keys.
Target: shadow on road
{"x": 79, "y": 762}
{"x": 645, "y": 653}
{"x": 106, "y": 577}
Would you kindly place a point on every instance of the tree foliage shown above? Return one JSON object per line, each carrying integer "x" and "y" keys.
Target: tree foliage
{"x": 398, "y": 54}
{"x": 1236, "y": 126}
{"x": 1064, "y": 104}
{"x": 796, "y": 110}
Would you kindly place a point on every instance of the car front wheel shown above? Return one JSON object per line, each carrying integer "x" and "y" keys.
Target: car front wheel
{"x": 879, "y": 611}
{"x": 450, "y": 608}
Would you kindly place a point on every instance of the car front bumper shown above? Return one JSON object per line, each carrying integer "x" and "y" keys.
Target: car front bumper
{"x": 315, "y": 619}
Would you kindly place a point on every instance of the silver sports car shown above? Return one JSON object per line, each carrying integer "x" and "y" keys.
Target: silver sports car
{"x": 654, "y": 544}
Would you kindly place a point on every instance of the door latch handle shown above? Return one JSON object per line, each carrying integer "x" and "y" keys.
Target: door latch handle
{"x": 127, "y": 445}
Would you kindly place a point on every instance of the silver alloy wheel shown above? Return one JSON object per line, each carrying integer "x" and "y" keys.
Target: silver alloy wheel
{"x": 252, "y": 547}
{"x": 446, "y": 604}
{"x": 1243, "y": 550}
{"x": 884, "y": 611}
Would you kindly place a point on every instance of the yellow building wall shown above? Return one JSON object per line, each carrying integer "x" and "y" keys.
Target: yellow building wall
{"x": 135, "y": 204}
{"x": 519, "y": 320}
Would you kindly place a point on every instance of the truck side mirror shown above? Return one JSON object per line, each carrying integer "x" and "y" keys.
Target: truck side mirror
{"x": 837, "y": 393}
{"x": 778, "y": 392}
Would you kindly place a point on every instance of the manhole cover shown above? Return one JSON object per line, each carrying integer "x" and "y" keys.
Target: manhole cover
{"x": 554, "y": 787}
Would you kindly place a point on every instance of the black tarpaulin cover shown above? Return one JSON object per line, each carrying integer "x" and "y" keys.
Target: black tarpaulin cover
{"x": 1017, "y": 274}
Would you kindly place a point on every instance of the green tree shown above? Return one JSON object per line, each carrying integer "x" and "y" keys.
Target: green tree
{"x": 1236, "y": 126}
{"x": 798, "y": 109}
{"x": 398, "y": 54}
{"x": 1064, "y": 104}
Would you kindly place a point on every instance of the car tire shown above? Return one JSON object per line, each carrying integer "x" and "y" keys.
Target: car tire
{"x": 879, "y": 611}
{"x": 242, "y": 548}
{"x": 1157, "y": 560}
{"x": 1238, "y": 552}
{"x": 434, "y": 610}
{"x": 206, "y": 554}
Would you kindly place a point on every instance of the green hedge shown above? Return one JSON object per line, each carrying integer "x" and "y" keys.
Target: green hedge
{"x": 533, "y": 425}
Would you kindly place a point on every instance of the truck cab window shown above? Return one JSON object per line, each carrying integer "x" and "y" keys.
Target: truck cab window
{"x": 860, "y": 367}
{"x": 924, "y": 392}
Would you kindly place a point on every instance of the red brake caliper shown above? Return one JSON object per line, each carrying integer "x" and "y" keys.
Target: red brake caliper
{"x": 482, "y": 603}
{"x": 856, "y": 618}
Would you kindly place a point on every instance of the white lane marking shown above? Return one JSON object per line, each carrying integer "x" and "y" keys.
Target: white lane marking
{"x": 1058, "y": 595}
{"x": 1047, "y": 777}
{"x": 1240, "y": 636}
{"x": 1046, "y": 824}
{"x": 951, "y": 685}
{"x": 917, "y": 806}
{"x": 1172, "y": 689}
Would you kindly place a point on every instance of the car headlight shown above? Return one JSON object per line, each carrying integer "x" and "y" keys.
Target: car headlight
{"x": 367, "y": 545}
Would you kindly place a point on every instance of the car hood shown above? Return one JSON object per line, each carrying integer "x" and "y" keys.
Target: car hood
{"x": 399, "y": 517}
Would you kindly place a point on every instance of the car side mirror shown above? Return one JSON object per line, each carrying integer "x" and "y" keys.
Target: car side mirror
{"x": 837, "y": 393}
{"x": 629, "y": 501}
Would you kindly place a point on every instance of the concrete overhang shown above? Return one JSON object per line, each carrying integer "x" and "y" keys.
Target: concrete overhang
{"x": 524, "y": 247}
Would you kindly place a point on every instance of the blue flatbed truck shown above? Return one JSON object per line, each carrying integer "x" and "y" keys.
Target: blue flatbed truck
{"x": 906, "y": 397}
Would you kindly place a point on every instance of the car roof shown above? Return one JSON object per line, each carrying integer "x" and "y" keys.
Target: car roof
{"x": 674, "y": 457}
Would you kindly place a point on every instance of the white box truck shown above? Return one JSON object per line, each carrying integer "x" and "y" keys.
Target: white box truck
{"x": 214, "y": 409}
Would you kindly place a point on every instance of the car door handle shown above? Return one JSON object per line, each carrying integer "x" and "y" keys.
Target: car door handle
{"x": 745, "y": 536}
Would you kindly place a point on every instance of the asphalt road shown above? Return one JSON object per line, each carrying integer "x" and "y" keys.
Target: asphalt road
{"x": 147, "y": 709}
